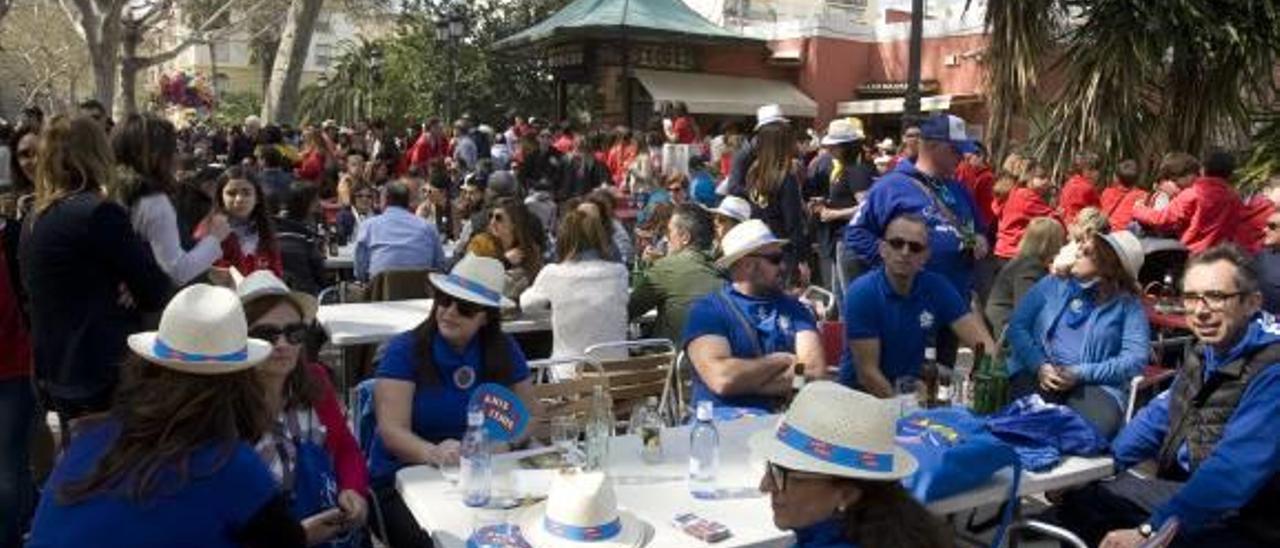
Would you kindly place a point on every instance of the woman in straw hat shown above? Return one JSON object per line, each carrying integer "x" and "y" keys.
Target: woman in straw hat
{"x": 309, "y": 448}
{"x": 172, "y": 463}
{"x": 426, "y": 378}
{"x": 833, "y": 478}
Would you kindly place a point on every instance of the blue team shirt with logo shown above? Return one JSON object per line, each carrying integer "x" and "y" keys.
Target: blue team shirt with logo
{"x": 775, "y": 321}
{"x": 873, "y": 310}
{"x": 439, "y": 412}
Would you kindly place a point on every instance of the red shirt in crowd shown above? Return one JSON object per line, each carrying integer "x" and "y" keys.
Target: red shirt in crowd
{"x": 15, "y": 358}
{"x": 1022, "y": 205}
{"x": 981, "y": 183}
{"x": 1253, "y": 226}
{"x": 1076, "y": 195}
{"x": 348, "y": 462}
{"x": 312, "y": 166}
{"x": 1206, "y": 214}
{"x": 1117, "y": 203}
{"x": 428, "y": 147}
{"x": 686, "y": 130}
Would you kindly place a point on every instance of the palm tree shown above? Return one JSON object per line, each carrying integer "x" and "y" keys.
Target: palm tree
{"x": 1131, "y": 78}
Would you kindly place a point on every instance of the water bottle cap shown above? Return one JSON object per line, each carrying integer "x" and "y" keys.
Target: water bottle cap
{"x": 704, "y": 410}
{"x": 475, "y": 418}
{"x": 931, "y": 353}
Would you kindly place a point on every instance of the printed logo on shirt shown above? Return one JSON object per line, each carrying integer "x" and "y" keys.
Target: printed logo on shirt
{"x": 464, "y": 377}
{"x": 784, "y": 325}
{"x": 1077, "y": 305}
{"x": 926, "y": 320}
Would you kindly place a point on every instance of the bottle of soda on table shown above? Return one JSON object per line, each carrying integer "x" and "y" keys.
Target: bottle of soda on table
{"x": 704, "y": 453}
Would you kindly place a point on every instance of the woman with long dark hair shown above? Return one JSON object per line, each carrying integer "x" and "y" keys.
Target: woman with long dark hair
{"x": 515, "y": 237}
{"x": 171, "y": 463}
{"x": 252, "y": 243}
{"x": 309, "y": 449}
{"x": 851, "y": 503}
{"x": 146, "y": 147}
{"x": 426, "y": 378}
{"x": 1078, "y": 340}
{"x": 89, "y": 278}
{"x": 24, "y": 145}
{"x": 773, "y": 188}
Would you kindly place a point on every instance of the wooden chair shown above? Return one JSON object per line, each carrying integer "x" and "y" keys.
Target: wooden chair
{"x": 636, "y": 378}
{"x": 568, "y": 398}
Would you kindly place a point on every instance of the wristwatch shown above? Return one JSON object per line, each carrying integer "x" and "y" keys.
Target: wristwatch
{"x": 1146, "y": 530}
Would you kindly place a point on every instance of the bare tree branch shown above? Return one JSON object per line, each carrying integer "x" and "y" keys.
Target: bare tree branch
{"x": 201, "y": 34}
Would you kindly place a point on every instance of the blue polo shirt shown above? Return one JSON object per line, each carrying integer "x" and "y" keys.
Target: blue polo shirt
{"x": 774, "y": 322}
{"x": 225, "y": 487}
{"x": 440, "y": 411}
{"x": 873, "y": 310}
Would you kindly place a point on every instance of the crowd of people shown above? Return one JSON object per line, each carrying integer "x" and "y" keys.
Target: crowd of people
{"x": 158, "y": 292}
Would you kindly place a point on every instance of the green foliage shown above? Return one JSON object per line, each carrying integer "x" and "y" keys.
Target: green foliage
{"x": 234, "y": 107}
{"x": 1133, "y": 78}
{"x": 1264, "y": 161}
{"x": 412, "y": 80}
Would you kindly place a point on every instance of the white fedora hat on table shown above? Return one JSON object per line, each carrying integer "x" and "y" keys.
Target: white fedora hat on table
{"x": 733, "y": 207}
{"x": 202, "y": 331}
{"x": 580, "y": 511}
{"x": 476, "y": 279}
{"x": 769, "y": 114}
{"x": 837, "y": 431}
{"x": 264, "y": 283}
{"x": 742, "y": 240}
{"x": 841, "y": 131}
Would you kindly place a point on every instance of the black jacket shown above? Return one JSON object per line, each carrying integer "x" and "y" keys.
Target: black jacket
{"x": 300, "y": 251}
{"x": 75, "y": 257}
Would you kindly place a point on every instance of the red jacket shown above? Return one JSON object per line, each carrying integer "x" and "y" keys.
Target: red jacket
{"x": 260, "y": 259}
{"x": 1022, "y": 205}
{"x": 426, "y": 149}
{"x": 1117, "y": 204}
{"x": 1206, "y": 214}
{"x": 348, "y": 462}
{"x": 1253, "y": 223}
{"x": 980, "y": 182}
{"x": 1077, "y": 194}
{"x": 686, "y": 130}
{"x": 312, "y": 166}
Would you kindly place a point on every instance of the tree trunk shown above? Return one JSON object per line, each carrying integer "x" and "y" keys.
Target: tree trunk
{"x": 281, "y": 99}
{"x": 129, "y": 67}
{"x": 99, "y": 22}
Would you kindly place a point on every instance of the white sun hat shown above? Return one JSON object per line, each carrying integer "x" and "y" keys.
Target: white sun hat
{"x": 264, "y": 283}
{"x": 476, "y": 279}
{"x": 733, "y": 207}
{"x": 744, "y": 239}
{"x": 202, "y": 331}
{"x": 1129, "y": 249}
{"x": 581, "y": 511}
{"x": 769, "y": 114}
{"x": 834, "y": 430}
{"x": 841, "y": 131}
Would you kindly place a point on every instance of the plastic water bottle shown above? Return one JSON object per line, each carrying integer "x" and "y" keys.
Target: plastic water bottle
{"x": 476, "y": 469}
{"x": 649, "y": 425}
{"x": 961, "y": 378}
{"x": 599, "y": 429}
{"x": 704, "y": 454}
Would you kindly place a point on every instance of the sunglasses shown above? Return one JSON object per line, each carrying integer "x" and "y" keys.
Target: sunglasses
{"x": 775, "y": 258}
{"x": 294, "y": 333}
{"x": 466, "y": 308}
{"x": 778, "y": 475}
{"x": 1273, "y": 226}
{"x": 27, "y": 153}
{"x": 676, "y": 189}
{"x": 498, "y": 217}
{"x": 898, "y": 244}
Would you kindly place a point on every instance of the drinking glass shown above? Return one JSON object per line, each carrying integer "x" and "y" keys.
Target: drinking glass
{"x": 564, "y": 437}
{"x": 907, "y": 392}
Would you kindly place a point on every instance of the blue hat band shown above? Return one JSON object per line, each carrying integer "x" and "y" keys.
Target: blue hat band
{"x": 167, "y": 352}
{"x": 595, "y": 533}
{"x": 832, "y": 453}
{"x": 474, "y": 287}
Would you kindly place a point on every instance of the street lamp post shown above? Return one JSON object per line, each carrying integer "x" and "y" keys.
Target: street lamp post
{"x": 911, "y": 100}
{"x": 451, "y": 26}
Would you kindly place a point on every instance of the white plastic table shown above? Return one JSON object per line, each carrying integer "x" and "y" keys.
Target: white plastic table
{"x": 655, "y": 493}
{"x": 350, "y": 324}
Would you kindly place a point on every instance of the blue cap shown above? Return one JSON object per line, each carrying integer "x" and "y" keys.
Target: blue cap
{"x": 948, "y": 128}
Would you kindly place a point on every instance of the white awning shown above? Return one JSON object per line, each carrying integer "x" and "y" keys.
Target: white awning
{"x": 892, "y": 105}
{"x": 714, "y": 94}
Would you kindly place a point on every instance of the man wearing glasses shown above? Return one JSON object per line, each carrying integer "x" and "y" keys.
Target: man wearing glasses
{"x": 1212, "y": 434}
{"x": 745, "y": 339}
{"x": 893, "y": 311}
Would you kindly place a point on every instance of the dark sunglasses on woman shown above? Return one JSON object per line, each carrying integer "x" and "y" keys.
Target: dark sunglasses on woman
{"x": 464, "y": 307}
{"x": 294, "y": 333}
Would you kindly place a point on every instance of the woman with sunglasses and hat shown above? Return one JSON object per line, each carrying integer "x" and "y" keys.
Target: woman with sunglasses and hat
{"x": 426, "y": 378}
{"x": 172, "y": 462}
{"x": 308, "y": 446}
{"x": 1079, "y": 339}
{"x": 849, "y": 493}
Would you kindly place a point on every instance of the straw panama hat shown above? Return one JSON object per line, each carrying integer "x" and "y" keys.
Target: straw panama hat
{"x": 733, "y": 207}
{"x": 203, "y": 332}
{"x": 769, "y": 114}
{"x": 841, "y": 131}
{"x": 744, "y": 239}
{"x": 475, "y": 279}
{"x": 264, "y": 283}
{"x": 580, "y": 511}
{"x": 1129, "y": 249}
{"x": 854, "y": 441}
